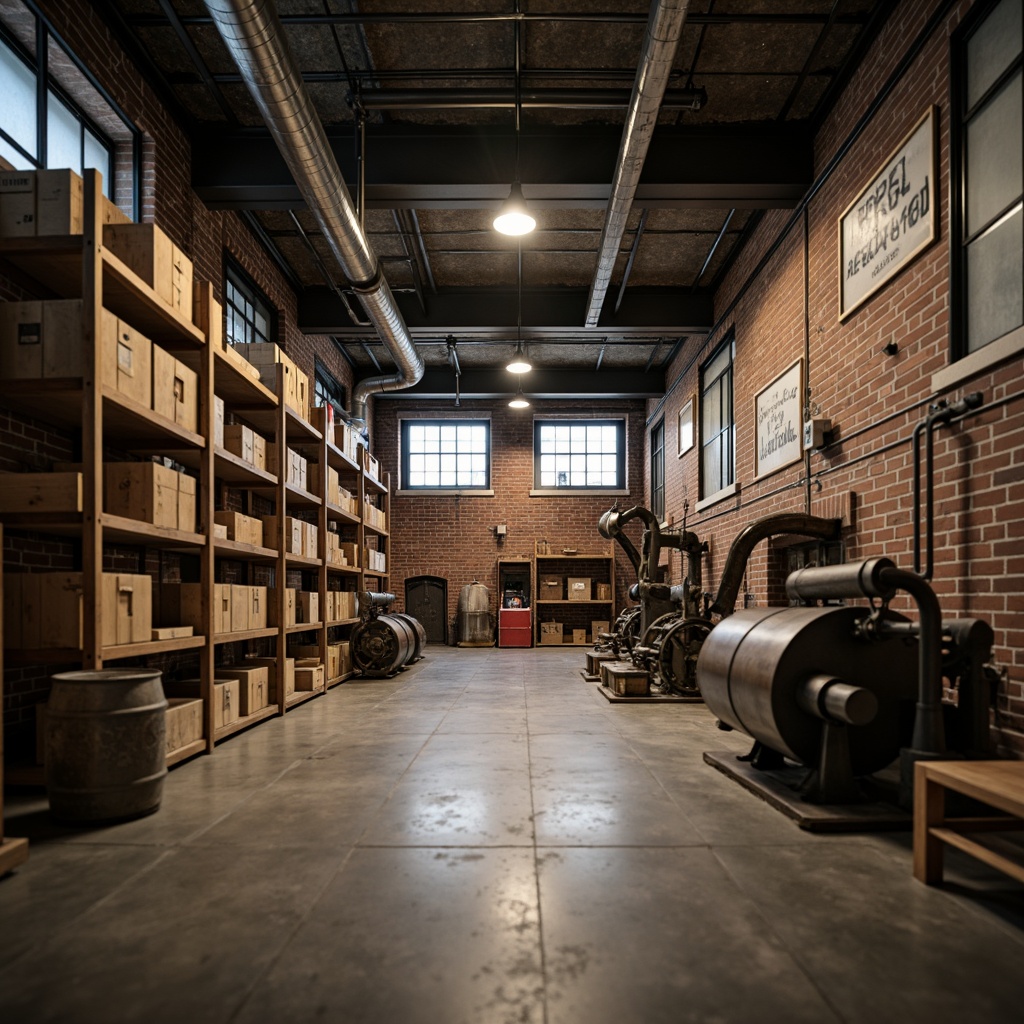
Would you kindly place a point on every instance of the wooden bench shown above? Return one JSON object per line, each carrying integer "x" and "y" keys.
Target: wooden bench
{"x": 1000, "y": 784}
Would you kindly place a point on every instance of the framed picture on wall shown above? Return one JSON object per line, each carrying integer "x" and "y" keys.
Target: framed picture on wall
{"x": 778, "y": 422}
{"x": 893, "y": 218}
{"x": 685, "y": 433}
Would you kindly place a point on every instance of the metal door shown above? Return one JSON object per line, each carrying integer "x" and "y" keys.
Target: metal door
{"x": 426, "y": 598}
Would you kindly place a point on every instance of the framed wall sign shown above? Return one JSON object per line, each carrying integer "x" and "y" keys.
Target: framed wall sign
{"x": 894, "y": 218}
{"x": 778, "y": 422}
{"x": 685, "y": 428}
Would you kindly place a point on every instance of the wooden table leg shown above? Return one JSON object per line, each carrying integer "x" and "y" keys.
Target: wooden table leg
{"x": 929, "y": 812}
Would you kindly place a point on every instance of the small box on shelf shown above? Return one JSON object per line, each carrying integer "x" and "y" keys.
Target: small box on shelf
{"x": 271, "y": 666}
{"x": 241, "y": 528}
{"x": 225, "y": 697}
{"x": 253, "y": 688}
{"x": 552, "y": 589}
{"x": 41, "y": 492}
{"x": 175, "y": 390}
{"x": 273, "y": 606}
{"x": 309, "y": 677}
{"x": 307, "y": 604}
{"x": 292, "y": 534}
{"x": 184, "y": 718}
{"x": 17, "y": 204}
{"x": 579, "y": 588}
{"x": 603, "y": 591}
{"x": 551, "y": 633}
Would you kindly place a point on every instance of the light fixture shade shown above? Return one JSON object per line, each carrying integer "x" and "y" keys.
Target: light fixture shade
{"x": 514, "y": 218}
{"x": 519, "y": 402}
{"x": 519, "y": 363}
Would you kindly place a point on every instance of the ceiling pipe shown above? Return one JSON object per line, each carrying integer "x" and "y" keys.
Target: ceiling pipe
{"x": 252, "y": 32}
{"x": 664, "y": 29}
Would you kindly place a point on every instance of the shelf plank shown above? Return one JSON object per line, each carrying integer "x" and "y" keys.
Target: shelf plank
{"x": 342, "y": 515}
{"x": 142, "y": 650}
{"x": 233, "y": 468}
{"x": 300, "y": 497}
{"x": 303, "y": 627}
{"x": 243, "y": 552}
{"x": 244, "y": 722}
{"x": 298, "y": 429}
{"x": 344, "y": 570}
{"x": 339, "y": 460}
{"x": 13, "y": 853}
{"x": 134, "y": 531}
{"x": 339, "y": 679}
{"x": 301, "y": 696}
{"x": 238, "y": 388}
{"x": 244, "y": 634}
{"x": 544, "y": 600}
{"x": 574, "y": 558}
{"x": 342, "y": 622}
{"x": 375, "y": 529}
{"x": 375, "y": 484}
{"x": 185, "y": 752}
{"x": 301, "y": 561}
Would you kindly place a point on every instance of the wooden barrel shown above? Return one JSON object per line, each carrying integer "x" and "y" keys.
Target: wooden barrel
{"x": 105, "y": 744}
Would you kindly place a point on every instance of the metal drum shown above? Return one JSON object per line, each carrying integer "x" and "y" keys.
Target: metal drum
{"x": 105, "y": 745}
{"x": 382, "y": 646}
{"x": 418, "y": 630}
{"x": 476, "y": 627}
{"x": 754, "y": 664}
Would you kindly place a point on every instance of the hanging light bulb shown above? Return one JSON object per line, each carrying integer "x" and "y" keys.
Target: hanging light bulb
{"x": 519, "y": 399}
{"x": 519, "y": 363}
{"x": 514, "y": 218}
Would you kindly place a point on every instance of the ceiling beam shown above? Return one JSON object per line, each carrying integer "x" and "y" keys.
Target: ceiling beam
{"x": 648, "y": 312}
{"x": 539, "y": 383}
{"x": 452, "y": 168}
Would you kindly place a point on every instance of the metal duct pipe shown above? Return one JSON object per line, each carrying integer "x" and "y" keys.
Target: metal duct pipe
{"x": 253, "y": 34}
{"x": 664, "y": 29}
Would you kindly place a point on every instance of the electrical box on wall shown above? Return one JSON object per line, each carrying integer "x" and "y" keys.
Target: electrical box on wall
{"x": 816, "y": 432}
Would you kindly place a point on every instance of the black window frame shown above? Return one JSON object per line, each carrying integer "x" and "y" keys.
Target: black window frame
{"x": 241, "y": 282}
{"x": 960, "y": 117}
{"x": 657, "y": 443}
{"x": 327, "y": 387}
{"x": 38, "y": 64}
{"x": 441, "y": 421}
{"x": 619, "y": 422}
{"x": 728, "y": 451}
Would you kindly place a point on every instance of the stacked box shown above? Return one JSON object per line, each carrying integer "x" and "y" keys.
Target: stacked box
{"x": 273, "y": 615}
{"x": 579, "y": 637}
{"x": 147, "y": 251}
{"x": 175, "y": 390}
{"x": 599, "y": 626}
{"x": 309, "y": 677}
{"x": 42, "y": 492}
{"x": 180, "y": 604}
{"x": 307, "y": 606}
{"x": 295, "y": 466}
{"x": 271, "y": 666}
{"x": 225, "y": 696}
{"x": 253, "y": 689}
{"x": 603, "y": 591}
{"x": 292, "y": 534}
{"x": 184, "y": 722}
{"x": 151, "y": 493}
{"x": 550, "y": 633}
{"x": 240, "y": 528}
{"x": 17, "y": 204}
{"x": 579, "y": 588}
{"x": 42, "y": 339}
{"x": 374, "y": 561}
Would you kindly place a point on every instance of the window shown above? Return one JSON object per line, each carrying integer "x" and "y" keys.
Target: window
{"x": 453, "y": 454}
{"x": 579, "y": 455}
{"x": 658, "y": 469}
{"x": 247, "y": 311}
{"x": 718, "y": 429}
{"x": 989, "y": 220}
{"x": 327, "y": 390}
{"x": 55, "y": 114}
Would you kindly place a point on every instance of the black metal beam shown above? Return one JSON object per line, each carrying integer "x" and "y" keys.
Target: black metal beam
{"x": 493, "y": 311}
{"x": 753, "y": 167}
{"x": 540, "y": 383}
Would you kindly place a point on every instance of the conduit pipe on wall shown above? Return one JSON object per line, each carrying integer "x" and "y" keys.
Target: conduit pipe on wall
{"x": 664, "y": 29}
{"x": 253, "y": 34}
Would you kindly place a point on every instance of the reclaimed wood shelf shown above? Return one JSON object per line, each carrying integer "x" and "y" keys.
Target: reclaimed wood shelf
{"x": 244, "y": 634}
{"x": 342, "y": 622}
{"x": 341, "y": 515}
{"x": 301, "y": 561}
{"x": 339, "y": 679}
{"x": 301, "y": 696}
{"x": 345, "y": 570}
{"x": 243, "y": 552}
{"x": 565, "y": 600}
{"x": 270, "y": 711}
{"x": 184, "y": 753}
{"x": 303, "y": 627}
{"x": 380, "y": 531}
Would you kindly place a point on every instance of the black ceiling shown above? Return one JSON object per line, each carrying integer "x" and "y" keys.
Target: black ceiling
{"x": 434, "y": 85}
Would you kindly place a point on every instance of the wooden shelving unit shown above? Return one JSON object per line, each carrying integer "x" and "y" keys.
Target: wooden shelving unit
{"x": 81, "y": 267}
{"x": 601, "y": 566}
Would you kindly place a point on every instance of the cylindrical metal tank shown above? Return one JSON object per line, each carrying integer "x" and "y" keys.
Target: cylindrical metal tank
{"x": 754, "y": 663}
{"x": 419, "y": 632}
{"x": 381, "y": 646}
{"x": 476, "y": 627}
{"x": 105, "y": 744}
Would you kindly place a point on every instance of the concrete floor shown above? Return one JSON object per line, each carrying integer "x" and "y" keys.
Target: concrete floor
{"x": 485, "y": 839}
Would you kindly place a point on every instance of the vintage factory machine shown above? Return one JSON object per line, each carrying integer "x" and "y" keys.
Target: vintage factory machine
{"x": 385, "y": 642}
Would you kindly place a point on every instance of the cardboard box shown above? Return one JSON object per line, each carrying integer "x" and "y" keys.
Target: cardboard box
{"x": 218, "y": 421}
{"x": 225, "y": 702}
{"x": 181, "y": 282}
{"x": 186, "y": 502}
{"x": 551, "y": 633}
{"x": 175, "y": 390}
{"x": 17, "y": 204}
{"x": 307, "y": 606}
{"x": 238, "y": 439}
{"x": 551, "y": 639}
{"x": 273, "y": 606}
{"x": 599, "y": 626}
{"x": 240, "y": 605}
{"x": 207, "y": 312}
{"x": 296, "y": 471}
{"x": 60, "y": 202}
{"x": 253, "y": 689}
{"x": 127, "y": 360}
{"x": 127, "y": 608}
{"x": 579, "y": 588}
{"x": 603, "y": 591}
{"x": 62, "y": 338}
{"x": 145, "y": 491}
{"x": 171, "y": 632}
{"x": 579, "y": 636}
{"x": 310, "y": 540}
{"x": 21, "y": 340}
{"x": 258, "y": 600}
{"x": 292, "y": 534}
{"x": 147, "y": 251}
{"x": 271, "y": 666}
{"x": 57, "y": 610}
{"x": 350, "y": 551}
{"x": 220, "y": 532}
{"x": 309, "y": 677}
{"x": 259, "y": 451}
{"x": 184, "y": 722}
{"x": 180, "y": 604}
{"x": 41, "y": 492}
{"x": 551, "y": 589}
{"x": 263, "y": 355}
{"x": 244, "y": 529}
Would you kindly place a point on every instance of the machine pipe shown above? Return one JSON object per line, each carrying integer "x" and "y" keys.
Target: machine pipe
{"x": 852, "y": 579}
{"x": 833, "y": 700}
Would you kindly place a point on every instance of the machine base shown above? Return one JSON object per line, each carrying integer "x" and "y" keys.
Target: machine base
{"x": 780, "y": 789}
{"x": 654, "y": 698}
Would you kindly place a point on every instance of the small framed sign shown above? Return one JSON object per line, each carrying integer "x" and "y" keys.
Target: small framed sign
{"x": 685, "y": 428}
{"x": 894, "y": 218}
{"x": 778, "y": 422}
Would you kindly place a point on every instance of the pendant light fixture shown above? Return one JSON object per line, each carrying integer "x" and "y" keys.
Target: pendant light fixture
{"x": 519, "y": 399}
{"x": 514, "y": 218}
{"x": 519, "y": 363}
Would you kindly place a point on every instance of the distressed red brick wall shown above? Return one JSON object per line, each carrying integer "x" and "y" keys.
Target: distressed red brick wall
{"x": 874, "y": 400}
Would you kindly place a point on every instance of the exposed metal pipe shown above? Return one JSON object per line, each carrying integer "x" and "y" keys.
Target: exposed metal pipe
{"x": 252, "y": 32}
{"x": 532, "y": 99}
{"x": 664, "y": 29}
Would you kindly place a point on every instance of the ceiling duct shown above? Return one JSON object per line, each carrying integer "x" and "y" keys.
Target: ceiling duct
{"x": 253, "y": 34}
{"x": 664, "y": 29}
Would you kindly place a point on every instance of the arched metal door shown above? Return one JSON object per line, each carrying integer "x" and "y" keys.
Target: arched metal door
{"x": 426, "y": 598}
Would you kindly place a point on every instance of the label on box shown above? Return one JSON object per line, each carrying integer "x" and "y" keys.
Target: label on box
{"x": 30, "y": 334}
{"x": 124, "y": 357}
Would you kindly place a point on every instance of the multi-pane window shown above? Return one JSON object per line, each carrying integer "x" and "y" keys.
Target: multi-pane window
{"x": 247, "y": 315}
{"x": 989, "y": 263}
{"x": 658, "y": 469}
{"x": 446, "y": 453}
{"x": 327, "y": 390}
{"x": 579, "y": 454}
{"x": 52, "y": 109}
{"x": 718, "y": 431}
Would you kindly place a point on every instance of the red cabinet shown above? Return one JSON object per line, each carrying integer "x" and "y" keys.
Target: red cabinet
{"x": 514, "y": 627}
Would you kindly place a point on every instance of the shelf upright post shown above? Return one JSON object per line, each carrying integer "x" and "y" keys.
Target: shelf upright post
{"x": 322, "y": 475}
{"x": 207, "y": 565}
{"x": 282, "y": 556}
{"x": 92, "y": 422}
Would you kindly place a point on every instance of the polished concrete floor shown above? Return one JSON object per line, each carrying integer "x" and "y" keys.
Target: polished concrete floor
{"x": 485, "y": 839}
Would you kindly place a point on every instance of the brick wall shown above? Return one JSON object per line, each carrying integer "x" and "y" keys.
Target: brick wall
{"x": 874, "y": 400}
{"x": 205, "y": 236}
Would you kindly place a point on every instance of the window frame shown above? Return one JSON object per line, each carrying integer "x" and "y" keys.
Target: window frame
{"x": 622, "y": 465}
{"x": 242, "y": 282}
{"x": 729, "y": 487}
{"x": 657, "y": 442}
{"x": 37, "y": 63}
{"x": 326, "y": 385}
{"x": 963, "y": 362}
{"x": 440, "y": 419}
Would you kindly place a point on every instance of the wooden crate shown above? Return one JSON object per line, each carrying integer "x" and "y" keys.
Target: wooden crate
{"x": 184, "y": 722}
